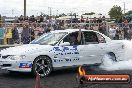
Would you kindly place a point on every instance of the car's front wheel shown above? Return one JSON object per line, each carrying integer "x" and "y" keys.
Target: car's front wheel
{"x": 42, "y": 65}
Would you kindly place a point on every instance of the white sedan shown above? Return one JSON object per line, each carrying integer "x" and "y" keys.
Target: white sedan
{"x": 53, "y": 50}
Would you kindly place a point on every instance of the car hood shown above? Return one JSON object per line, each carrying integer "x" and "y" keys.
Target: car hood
{"x": 23, "y": 49}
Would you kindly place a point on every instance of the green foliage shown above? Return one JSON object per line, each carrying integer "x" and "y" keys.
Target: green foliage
{"x": 92, "y": 13}
{"x": 0, "y": 20}
{"x": 61, "y": 15}
{"x": 128, "y": 13}
{"x": 116, "y": 12}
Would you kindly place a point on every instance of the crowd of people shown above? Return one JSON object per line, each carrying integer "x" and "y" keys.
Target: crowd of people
{"x": 122, "y": 30}
{"x": 25, "y": 29}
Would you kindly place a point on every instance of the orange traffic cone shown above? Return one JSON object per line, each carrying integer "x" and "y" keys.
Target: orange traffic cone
{"x": 37, "y": 83}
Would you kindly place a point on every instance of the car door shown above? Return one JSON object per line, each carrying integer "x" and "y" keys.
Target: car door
{"x": 103, "y": 45}
{"x": 93, "y": 50}
{"x": 70, "y": 54}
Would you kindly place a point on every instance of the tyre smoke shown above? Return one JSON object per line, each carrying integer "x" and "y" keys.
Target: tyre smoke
{"x": 110, "y": 65}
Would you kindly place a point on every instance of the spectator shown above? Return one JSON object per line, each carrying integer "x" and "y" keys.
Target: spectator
{"x": 41, "y": 19}
{"x": 8, "y": 34}
{"x": 87, "y": 20}
{"x": 32, "y": 19}
{"x": 25, "y": 34}
{"x": 32, "y": 34}
{"x": 26, "y": 18}
{"x": 91, "y": 27}
{"x": 118, "y": 34}
{"x": 103, "y": 18}
{"x": 82, "y": 19}
{"x": 38, "y": 19}
{"x": 104, "y": 28}
{"x": 129, "y": 36}
{"x": 2, "y": 31}
{"x": 94, "y": 20}
{"x": 125, "y": 29}
{"x": 48, "y": 29}
{"x": 100, "y": 28}
{"x": 112, "y": 32}
{"x": 130, "y": 25}
{"x": 99, "y": 20}
{"x": 41, "y": 31}
{"x": 20, "y": 29}
{"x": 37, "y": 31}
{"x": 15, "y": 35}
{"x": 20, "y": 19}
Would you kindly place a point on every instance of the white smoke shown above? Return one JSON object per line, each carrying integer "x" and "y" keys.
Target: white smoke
{"x": 109, "y": 65}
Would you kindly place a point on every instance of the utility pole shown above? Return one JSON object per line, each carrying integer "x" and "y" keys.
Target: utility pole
{"x": 24, "y": 8}
{"x": 56, "y": 12}
{"x": 50, "y": 11}
{"x": 124, "y": 7}
{"x": 71, "y": 19}
{"x": 12, "y": 12}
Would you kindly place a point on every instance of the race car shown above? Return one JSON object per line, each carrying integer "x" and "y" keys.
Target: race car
{"x": 54, "y": 50}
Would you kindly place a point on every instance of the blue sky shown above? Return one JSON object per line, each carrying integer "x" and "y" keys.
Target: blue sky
{"x": 15, "y": 7}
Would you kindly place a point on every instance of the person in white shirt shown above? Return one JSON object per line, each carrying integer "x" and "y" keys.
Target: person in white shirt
{"x": 112, "y": 32}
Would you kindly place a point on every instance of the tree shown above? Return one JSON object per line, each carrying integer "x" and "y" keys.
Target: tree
{"x": 128, "y": 13}
{"x": 115, "y": 12}
{"x": 0, "y": 20}
{"x": 92, "y": 13}
{"x": 63, "y": 14}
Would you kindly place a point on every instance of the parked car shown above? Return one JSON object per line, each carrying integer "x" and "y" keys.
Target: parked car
{"x": 53, "y": 50}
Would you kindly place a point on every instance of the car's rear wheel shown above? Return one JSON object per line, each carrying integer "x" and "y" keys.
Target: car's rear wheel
{"x": 42, "y": 65}
{"x": 109, "y": 58}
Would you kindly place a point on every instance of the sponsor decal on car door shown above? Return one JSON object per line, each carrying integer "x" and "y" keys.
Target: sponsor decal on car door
{"x": 66, "y": 55}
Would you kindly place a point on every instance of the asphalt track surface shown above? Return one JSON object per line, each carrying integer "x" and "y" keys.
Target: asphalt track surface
{"x": 65, "y": 78}
{"x": 58, "y": 79}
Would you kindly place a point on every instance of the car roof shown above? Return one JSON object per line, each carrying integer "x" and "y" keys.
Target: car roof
{"x": 74, "y": 30}
{"x": 71, "y": 30}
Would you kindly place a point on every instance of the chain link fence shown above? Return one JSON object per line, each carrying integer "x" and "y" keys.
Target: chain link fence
{"x": 24, "y": 33}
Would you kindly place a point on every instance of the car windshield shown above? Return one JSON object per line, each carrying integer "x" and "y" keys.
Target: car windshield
{"x": 49, "y": 38}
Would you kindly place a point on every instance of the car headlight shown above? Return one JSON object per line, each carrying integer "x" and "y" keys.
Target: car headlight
{"x": 17, "y": 57}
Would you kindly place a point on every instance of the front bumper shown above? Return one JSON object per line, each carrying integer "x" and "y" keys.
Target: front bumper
{"x": 13, "y": 65}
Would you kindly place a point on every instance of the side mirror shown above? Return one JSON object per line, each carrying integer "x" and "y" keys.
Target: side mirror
{"x": 65, "y": 44}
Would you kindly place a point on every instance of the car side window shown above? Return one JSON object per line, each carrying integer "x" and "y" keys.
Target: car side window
{"x": 90, "y": 38}
{"x": 101, "y": 39}
{"x": 72, "y": 39}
